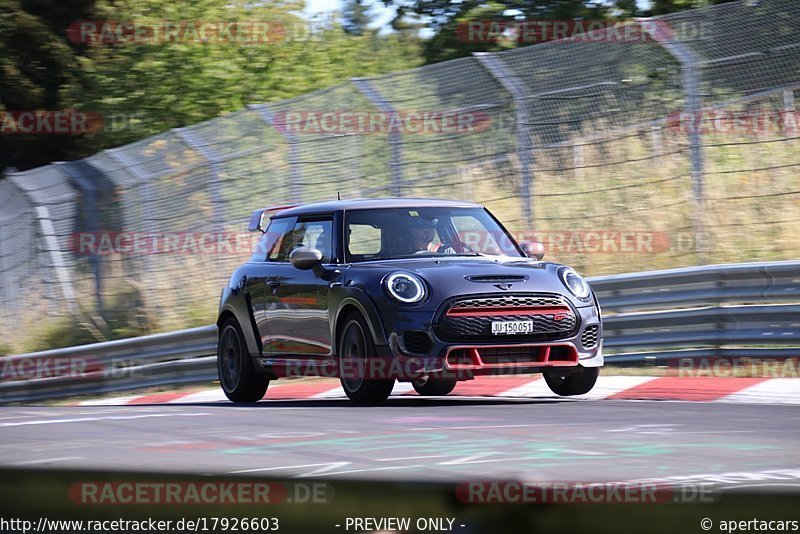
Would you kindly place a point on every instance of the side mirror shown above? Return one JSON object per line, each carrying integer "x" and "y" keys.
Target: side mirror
{"x": 305, "y": 258}
{"x": 533, "y": 249}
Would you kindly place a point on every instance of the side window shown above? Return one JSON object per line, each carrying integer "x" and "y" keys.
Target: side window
{"x": 270, "y": 241}
{"x": 363, "y": 240}
{"x": 315, "y": 234}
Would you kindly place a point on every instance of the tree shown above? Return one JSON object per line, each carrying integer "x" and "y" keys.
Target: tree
{"x": 41, "y": 69}
{"x": 145, "y": 86}
{"x": 449, "y": 21}
{"x": 355, "y": 17}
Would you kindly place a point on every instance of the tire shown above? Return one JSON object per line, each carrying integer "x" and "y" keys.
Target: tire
{"x": 573, "y": 384}
{"x": 430, "y": 387}
{"x": 237, "y": 377}
{"x": 353, "y": 347}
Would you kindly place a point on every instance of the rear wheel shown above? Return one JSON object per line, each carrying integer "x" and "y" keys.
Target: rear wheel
{"x": 355, "y": 348}
{"x": 238, "y": 378}
{"x": 576, "y": 383}
{"x": 433, "y": 387}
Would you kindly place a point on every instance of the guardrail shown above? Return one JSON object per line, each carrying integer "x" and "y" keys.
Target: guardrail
{"x": 739, "y": 310}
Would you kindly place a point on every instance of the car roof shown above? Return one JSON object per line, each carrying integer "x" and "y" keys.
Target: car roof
{"x": 373, "y": 203}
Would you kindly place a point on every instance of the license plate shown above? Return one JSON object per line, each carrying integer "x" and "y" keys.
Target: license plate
{"x": 512, "y": 327}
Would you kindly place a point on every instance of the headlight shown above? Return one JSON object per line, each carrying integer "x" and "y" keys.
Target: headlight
{"x": 575, "y": 283}
{"x": 405, "y": 287}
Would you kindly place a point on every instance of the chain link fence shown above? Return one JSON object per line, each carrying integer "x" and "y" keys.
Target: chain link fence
{"x": 674, "y": 148}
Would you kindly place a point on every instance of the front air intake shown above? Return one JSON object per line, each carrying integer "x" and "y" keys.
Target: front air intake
{"x": 589, "y": 337}
{"x": 417, "y": 342}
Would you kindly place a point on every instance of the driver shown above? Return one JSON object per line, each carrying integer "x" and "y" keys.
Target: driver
{"x": 422, "y": 234}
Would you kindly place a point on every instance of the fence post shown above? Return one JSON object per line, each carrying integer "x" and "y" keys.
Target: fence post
{"x": 190, "y": 138}
{"x": 789, "y": 126}
{"x": 5, "y": 278}
{"x": 295, "y": 173}
{"x": 395, "y": 155}
{"x": 691, "y": 90}
{"x": 51, "y": 242}
{"x": 89, "y": 192}
{"x": 578, "y": 160}
{"x": 516, "y": 88}
{"x": 144, "y": 178}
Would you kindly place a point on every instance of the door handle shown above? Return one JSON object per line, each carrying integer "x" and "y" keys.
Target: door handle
{"x": 273, "y": 283}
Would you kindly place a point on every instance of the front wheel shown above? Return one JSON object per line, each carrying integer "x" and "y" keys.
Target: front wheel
{"x": 572, "y": 384}
{"x": 238, "y": 378}
{"x": 433, "y": 387}
{"x": 356, "y": 350}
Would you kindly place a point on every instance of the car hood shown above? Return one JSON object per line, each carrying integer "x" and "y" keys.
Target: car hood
{"x": 448, "y": 277}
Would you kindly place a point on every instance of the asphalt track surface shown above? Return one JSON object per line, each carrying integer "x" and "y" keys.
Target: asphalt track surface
{"x": 436, "y": 439}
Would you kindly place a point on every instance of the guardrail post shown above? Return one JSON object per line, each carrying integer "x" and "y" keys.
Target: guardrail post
{"x": 295, "y": 173}
{"x": 691, "y": 90}
{"x": 395, "y": 155}
{"x": 516, "y": 89}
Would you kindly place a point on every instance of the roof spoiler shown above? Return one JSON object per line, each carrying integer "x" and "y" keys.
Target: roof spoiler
{"x": 257, "y": 222}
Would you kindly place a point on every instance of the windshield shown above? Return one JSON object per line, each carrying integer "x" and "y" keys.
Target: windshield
{"x": 380, "y": 234}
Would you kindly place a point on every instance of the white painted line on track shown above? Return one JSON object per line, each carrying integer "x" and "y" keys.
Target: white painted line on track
{"x": 330, "y": 465}
{"x": 605, "y": 387}
{"x": 412, "y": 458}
{"x": 112, "y": 401}
{"x": 772, "y": 391}
{"x": 763, "y": 485}
{"x": 480, "y": 427}
{"x": 209, "y": 395}
{"x": 608, "y": 386}
{"x": 100, "y": 418}
{"x": 473, "y": 459}
{"x": 529, "y": 389}
{"x": 47, "y": 460}
{"x": 367, "y": 469}
{"x": 402, "y": 388}
{"x": 333, "y": 393}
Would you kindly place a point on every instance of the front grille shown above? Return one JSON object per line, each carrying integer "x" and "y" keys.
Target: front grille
{"x": 417, "y": 342}
{"x": 509, "y": 301}
{"x": 589, "y": 337}
{"x": 470, "y": 319}
{"x": 480, "y": 327}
